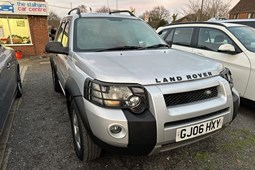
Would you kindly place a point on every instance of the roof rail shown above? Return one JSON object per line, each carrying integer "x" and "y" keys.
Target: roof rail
{"x": 199, "y": 22}
{"x": 78, "y": 11}
{"x": 127, "y": 11}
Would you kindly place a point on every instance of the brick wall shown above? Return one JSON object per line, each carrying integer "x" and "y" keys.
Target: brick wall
{"x": 241, "y": 16}
{"x": 39, "y": 35}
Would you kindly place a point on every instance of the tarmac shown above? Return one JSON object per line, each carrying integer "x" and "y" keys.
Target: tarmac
{"x": 8, "y": 124}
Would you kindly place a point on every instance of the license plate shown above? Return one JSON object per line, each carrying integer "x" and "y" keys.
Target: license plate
{"x": 193, "y": 131}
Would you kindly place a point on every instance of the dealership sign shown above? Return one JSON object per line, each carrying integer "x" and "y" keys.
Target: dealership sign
{"x": 24, "y": 7}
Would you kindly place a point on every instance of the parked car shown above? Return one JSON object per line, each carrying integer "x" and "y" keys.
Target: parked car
{"x": 128, "y": 92}
{"x": 231, "y": 44}
{"x": 249, "y": 22}
{"x": 10, "y": 82}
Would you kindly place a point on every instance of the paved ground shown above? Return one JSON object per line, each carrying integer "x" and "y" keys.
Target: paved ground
{"x": 41, "y": 136}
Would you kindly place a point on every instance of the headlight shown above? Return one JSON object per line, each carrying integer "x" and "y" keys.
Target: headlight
{"x": 122, "y": 96}
{"x": 226, "y": 74}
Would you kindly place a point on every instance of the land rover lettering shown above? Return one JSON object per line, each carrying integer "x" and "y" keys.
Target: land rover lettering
{"x": 182, "y": 78}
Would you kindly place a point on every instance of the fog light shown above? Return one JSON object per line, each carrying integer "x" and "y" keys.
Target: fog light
{"x": 117, "y": 131}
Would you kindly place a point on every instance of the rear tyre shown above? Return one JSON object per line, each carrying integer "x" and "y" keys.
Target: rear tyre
{"x": 19, "y": 87}
{"x": 56, "y": 84}
{"x": 84, "y": 147}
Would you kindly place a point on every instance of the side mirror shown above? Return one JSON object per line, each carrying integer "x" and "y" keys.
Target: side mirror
{"x": 56, "y": 47}
{"x": 227, "y": 48}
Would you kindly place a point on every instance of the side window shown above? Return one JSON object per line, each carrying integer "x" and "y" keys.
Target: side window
{"x": 60, "y": 32}
{"x": 169, "y": 37}
{"x": 212, "y": 39}
{"x": 65, "y": 35}
{"x": 163, "y": 33}
{"x": 182, "y": 36}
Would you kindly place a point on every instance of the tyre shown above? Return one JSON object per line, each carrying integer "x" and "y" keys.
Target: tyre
{"x": 84, "y": 147}
{"x": 56, "y": 84}
{"x": 19, "y": 87}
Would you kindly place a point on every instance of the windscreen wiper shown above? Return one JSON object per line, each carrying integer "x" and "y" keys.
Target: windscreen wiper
{"x": 156, "y": 46}
{"x": 120, "y": 48}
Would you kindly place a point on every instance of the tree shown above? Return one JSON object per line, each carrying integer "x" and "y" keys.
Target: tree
{"x": 174, "y": 17}
{"x": 206, "y": 9}
{"x": 53, "y": 20}
{"x": 103, "y": 9}
{"x": 158, "y": 13}
{"x": 132, "y": 9}
{"x": 84, "y": 8}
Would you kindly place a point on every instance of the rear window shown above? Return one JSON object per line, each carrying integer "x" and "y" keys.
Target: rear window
{"x": 248, "y": 23}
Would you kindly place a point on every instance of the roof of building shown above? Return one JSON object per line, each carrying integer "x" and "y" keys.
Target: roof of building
{"x": 243, "y": 6}
{"x": 187, "y": 18}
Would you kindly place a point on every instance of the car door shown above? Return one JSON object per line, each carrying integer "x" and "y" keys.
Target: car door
{"x": 180, "y": 38}
{"x": 7, "y": 83}
{"x": 209, "y": 40}
{"x": 61, "y": 59}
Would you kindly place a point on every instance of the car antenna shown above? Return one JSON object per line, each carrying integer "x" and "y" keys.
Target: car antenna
{"x": 78, "y": 11}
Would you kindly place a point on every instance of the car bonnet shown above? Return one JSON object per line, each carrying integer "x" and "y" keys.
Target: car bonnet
{"x": 146, "y": 66}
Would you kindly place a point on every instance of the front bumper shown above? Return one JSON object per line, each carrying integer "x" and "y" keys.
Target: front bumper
{"x": 155, "y": 129}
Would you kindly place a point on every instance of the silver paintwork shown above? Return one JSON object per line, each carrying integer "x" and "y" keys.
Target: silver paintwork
{"x": 143, "y": 67}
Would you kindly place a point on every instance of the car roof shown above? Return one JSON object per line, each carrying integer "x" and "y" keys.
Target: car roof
{"x": 237, "y": 20}
{"x": 112, "y": 14}
{"x": 218, "y": 23}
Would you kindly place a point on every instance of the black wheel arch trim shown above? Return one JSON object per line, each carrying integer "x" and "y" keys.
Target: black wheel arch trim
{"x": 236, "y": 103}
{"x": 139, "y": 126}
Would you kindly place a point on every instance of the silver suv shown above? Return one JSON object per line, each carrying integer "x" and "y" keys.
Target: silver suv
{"x": 128, "y": 92}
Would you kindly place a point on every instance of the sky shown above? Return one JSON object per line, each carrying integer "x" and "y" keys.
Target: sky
{"x": 62, "y": 7}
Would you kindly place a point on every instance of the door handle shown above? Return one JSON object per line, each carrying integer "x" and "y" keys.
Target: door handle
{"x": 8, "y": 65}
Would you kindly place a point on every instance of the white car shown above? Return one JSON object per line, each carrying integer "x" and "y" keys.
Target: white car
{"x": 231, "y": 44}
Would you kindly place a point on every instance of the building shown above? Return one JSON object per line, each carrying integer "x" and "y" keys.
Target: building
{"x": 244, "y": 9}
{"x": 188, "y": 18}
{"x": 23, "y": 25}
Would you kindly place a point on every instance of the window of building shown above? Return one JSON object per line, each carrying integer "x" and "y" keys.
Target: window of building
{"x": 251, "y": 15}
{"x": 236, "y": 16}
{"x": 14, "y": 30}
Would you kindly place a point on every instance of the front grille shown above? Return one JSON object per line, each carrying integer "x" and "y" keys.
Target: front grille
{"x": 191, "y": 96}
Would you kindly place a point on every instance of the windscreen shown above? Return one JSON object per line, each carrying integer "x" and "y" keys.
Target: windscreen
{"x": 246, "y": 35}
{"x": 93, "y": 34}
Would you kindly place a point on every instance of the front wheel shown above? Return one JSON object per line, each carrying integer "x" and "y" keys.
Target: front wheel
{"x": 84, "y": 147}
{"x": 56, "y": 84}
{"x": 19, "y": 87}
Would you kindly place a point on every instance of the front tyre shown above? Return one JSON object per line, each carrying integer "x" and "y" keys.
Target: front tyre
{"x": 19, "y": 87}
{"x": 84, "y": 147}
{"x": 56, "y": 84}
